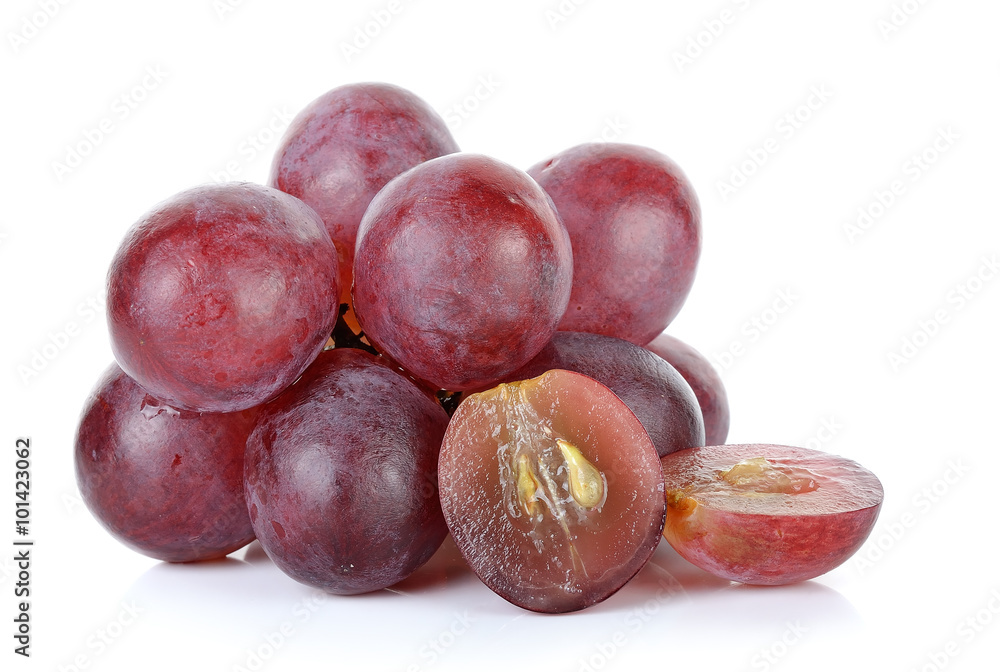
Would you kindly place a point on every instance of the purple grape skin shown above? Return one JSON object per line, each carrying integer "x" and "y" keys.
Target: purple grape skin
{"x": 167, "y": 483}
{"x": 341, "y": 475}
{"x": 706, "y": 383}
{"x": 635, "y": 223}
{"x": 462, "y": 270}
{"x": 346, "y": 145}
{"x": 219, "y": 297}
{"x": 652, "y": 389}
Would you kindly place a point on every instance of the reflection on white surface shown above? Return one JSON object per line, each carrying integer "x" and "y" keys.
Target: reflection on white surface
{"x": 242, "y": 613}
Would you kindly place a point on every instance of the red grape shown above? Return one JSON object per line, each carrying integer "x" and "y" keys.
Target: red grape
{"x": 341, "y": 475}
{"x": 165, "y": 482}
{"x": 765, "y": 514}
{"x": 635, "y": 224}
{"x": 703, "y": 379}
{"x": 462, "y": 270}
{"x": 219, "y": 297}
{"x": 552, "y": 490}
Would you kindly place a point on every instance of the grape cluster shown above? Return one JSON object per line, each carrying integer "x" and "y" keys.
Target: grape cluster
{"x": 394, "y": 340}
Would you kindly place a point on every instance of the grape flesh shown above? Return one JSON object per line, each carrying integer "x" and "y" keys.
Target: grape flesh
{"x": 346, "y": 145}
{"x": 219, "y": 297}
{"x": 341, "y": 475}
{"x": 462, "y": 271}
{"x": 552, "y": 491}
{"x": 168, "y": 483}
{"x": 766, "y": 514}
{"x": 635, "y": 223}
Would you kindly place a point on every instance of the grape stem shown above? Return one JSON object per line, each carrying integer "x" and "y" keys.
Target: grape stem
{"x": 345, "y": 337}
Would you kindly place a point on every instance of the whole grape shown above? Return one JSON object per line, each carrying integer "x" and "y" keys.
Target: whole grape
{"x": 341, "y": 475}
{"x": 165, "y": 482}
{"x": 635, "y": 224}
{"x": 220, "y": 296}
{"x": 462, "y": 270}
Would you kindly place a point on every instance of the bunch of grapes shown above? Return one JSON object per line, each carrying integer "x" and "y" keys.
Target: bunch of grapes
{"x": 394, "y": 340}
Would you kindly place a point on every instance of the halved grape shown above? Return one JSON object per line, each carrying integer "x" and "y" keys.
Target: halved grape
{"x": 552, "y": 490}
{"x": 766, "y": 514}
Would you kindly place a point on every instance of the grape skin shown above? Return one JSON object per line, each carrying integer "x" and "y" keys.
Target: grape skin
{"x": 219, "y": 297}
{"x": 346, "y": 145}
{"x": 706, "y": 383}
{"x": 341, "y": 475}
{"x": 462, "y": 270}
{"x": 165, "y": 482}
{"x": 635, "y": 223}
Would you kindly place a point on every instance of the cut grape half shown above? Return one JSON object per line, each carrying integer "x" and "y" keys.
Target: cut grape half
{"x": 766, "y": 514}
{"x": 552, "y": 490}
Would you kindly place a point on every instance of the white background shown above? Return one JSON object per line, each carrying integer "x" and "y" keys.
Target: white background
{"x": 530, "y": 79}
